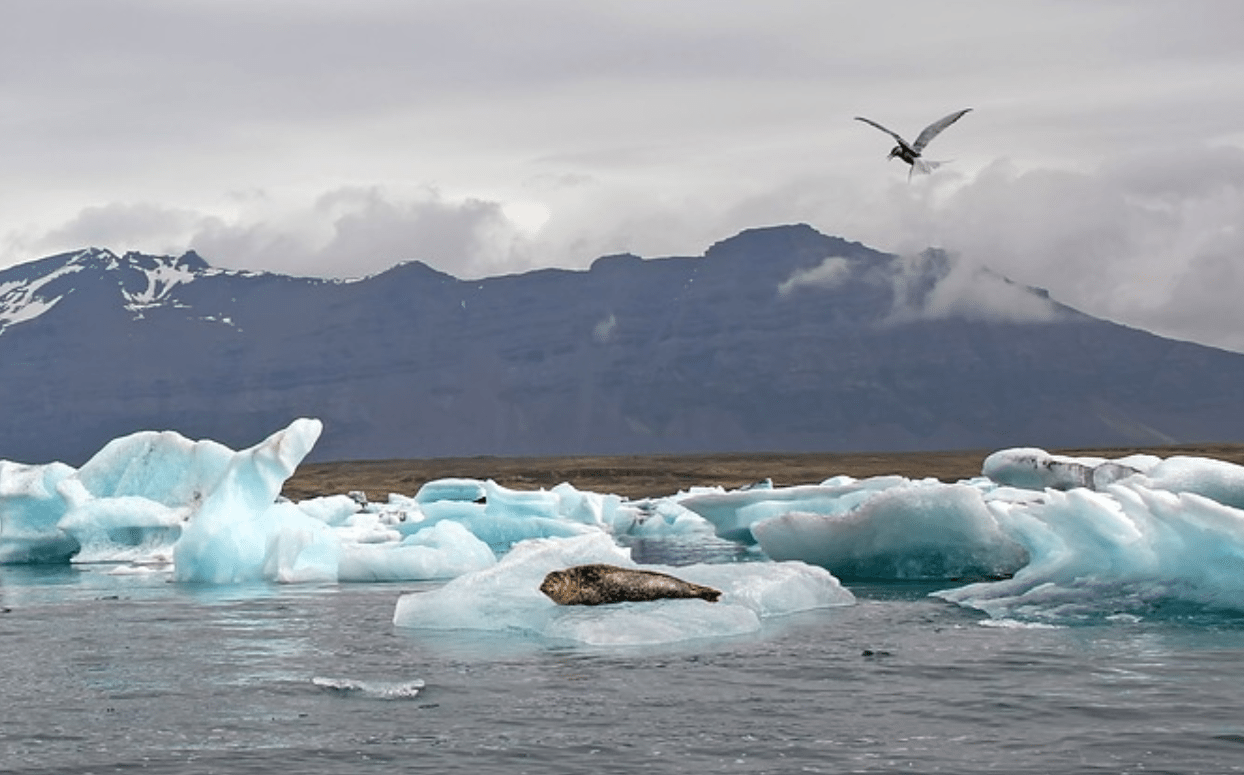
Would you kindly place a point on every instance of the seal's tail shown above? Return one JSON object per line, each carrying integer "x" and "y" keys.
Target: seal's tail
{"x": 707, "y": 593}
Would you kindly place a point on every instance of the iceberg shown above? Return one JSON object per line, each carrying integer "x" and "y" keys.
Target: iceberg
{"x": 132, "y": 498}
{"x": 441, "y": 551}
{"x": 507, "y": 597}
{"x": 910, "y": 531}
{"x": 1130, "y": 549}
{"x": 213, "y": 515}
{"x": 1035, "y": 469}
{"x": 240, "y": 533}
{"x": 1217, "y": 480}
{"x": 31, "y": 507}
{"x": 733, "y": 514}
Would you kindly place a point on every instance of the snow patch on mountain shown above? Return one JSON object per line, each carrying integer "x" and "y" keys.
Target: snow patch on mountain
{"x": 23, "y": 300}
{"x": 161, "y": 282}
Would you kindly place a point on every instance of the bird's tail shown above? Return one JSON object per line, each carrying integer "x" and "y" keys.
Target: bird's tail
{"x": 924, "y": 166}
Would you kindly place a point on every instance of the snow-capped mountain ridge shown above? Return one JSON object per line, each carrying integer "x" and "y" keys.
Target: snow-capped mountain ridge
{"x": 143, "y": 282}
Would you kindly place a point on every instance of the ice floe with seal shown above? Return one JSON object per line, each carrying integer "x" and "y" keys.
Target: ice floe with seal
{"x": 507, "y": 597}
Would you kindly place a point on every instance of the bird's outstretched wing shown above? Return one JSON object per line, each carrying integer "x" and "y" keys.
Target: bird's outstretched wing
{"x": 895, "y": 135}
{"x": 934, "y": 129}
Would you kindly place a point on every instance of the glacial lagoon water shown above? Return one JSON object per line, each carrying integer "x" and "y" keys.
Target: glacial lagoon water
{"x": 162, "y": 612}
{"x": 104, "y": 672}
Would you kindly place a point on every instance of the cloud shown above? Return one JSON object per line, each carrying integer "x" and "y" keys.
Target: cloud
{"x": 1137, "y": 240}
{"x": 122, "y": 224}
{"x": 603, "y": 331}
{"x": 1153, "y": 240}
{"x": 963, "y": 290}
{"x": 830, "y": 273}
{"x": 351, "y": 232}
{"x": 932, "y": 286}
{"x": 346, "y": 232}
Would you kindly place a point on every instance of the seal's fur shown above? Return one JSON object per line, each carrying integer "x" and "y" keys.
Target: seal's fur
{"x": 600, "y": 584}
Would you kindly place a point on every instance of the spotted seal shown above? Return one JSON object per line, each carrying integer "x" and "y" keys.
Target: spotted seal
{"x": 599, "y": 584}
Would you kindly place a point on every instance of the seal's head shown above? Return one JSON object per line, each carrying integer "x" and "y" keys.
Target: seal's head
{"x": 559, "y": 586}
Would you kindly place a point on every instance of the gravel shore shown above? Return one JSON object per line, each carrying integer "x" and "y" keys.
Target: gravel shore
{"x": 642, "y": 476}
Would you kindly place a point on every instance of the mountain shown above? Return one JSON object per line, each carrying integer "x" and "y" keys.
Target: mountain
{"x": 777, "y": 339}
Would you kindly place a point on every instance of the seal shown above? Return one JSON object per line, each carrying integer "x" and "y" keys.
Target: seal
{"x": 600, "y": 584}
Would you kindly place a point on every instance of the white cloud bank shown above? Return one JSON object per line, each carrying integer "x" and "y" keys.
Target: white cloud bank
{"x": 339, "y": 139}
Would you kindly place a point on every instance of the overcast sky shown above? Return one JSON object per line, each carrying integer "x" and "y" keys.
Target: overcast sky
{"x": 1103, "y": 160}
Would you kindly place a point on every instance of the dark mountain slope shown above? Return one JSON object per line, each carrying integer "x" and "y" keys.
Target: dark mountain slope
{"x": 776, "y": 339}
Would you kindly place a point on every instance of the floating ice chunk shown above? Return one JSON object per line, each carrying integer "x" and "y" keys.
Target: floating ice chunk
{"x": 507, "y": 597}
{"x": 331, "y": 509}
{"x": 31, "y": 506}
{"x": 650, "y": 624}
{"x": 1215, "y": 479}
{"x": 463, "y": 512}
{"x": 228, "y": 538}
{"x": 502, "y": 532}
{"x": 367, "y": 529}
{"x": 162, "y": 466}
{"x": 380, "y": 690}
{"x": 1119, "y": 551}
{"x": 297, "y": 549}
{"x": 510, "y": 516}
{"x": 451, "y": 489}
{"x": 733, "y": 513}
{"x": 916, "y": 530}
{"x": 502, "y": 517}
{"x": 502, "y": 501}
{"x": 404, "y": 514}
{"x": 443, "y": 550}
{"x": 131, "y": 499}
{"x": 126, "y": 528}
{"x": 661, "y": 518}
{"x": 589, "y": 508}
{"x": 770, "y": 588}
{"x": 1035, "y": 469}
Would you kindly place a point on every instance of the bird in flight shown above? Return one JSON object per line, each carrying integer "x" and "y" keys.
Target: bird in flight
{"x": 910, "y": 152}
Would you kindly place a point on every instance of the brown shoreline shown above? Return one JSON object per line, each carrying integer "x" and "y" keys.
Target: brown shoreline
{"x": 641, "y": 476}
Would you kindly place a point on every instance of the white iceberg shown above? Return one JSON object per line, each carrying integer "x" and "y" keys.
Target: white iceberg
{"x": 1127, "y": 550}
{"x": 1035, "y": 469}
{"x": 507, "y": 597}
{"x": 31, "y": 508}
{"x": 733, "y": 513}
{"x": 131, "y": 500}
{"x": 913, "y": 530}
{"x": 239, "y": 532}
